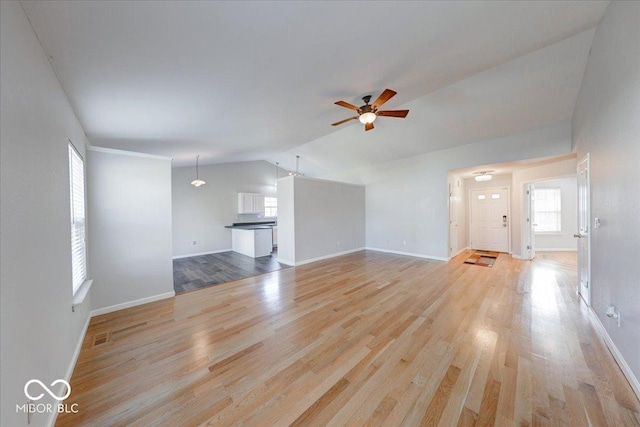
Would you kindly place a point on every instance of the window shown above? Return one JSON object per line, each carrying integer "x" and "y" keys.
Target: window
{"x": 271, "y": 207}
{"x": 547, "y": 210}
{"x": 78, "y": 245}
{"x": 481, "y": 197}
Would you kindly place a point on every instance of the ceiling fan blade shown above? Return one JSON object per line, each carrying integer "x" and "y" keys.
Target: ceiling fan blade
{"x": 393, "y": 113}
{"x": 368, "y": 126}
{"x": 347, "y": 105}
{"x": 344, "y": 121}
{"x": 384, "y": 97}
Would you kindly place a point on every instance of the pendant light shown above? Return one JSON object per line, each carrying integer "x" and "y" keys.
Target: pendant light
{"x": 197, "y": 182}
{"x": 277, "y": 172}
{"x": 297, "y": 172}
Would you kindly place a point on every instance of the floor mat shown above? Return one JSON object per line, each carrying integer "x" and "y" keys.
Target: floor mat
{"x": 482, "y": 258}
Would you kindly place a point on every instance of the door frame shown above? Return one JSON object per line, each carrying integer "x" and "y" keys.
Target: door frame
{"x": 585, "y": 160}
{"x": 528, "y": 249}
{"x": 470, "y": 213}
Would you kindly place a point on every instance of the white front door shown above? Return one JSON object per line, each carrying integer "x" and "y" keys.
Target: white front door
{"x": 489, "y": 219}
{"x": 583, "y": 236}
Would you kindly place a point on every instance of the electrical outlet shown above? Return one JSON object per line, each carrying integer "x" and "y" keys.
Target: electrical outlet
{"x": 404, "y": 243}
{"x": 193, "y": 243}
{"x": 338, "y": 242}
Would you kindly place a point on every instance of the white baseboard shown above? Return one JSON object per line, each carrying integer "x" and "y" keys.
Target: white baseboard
{"x": 517, "y": 257}
{"x": 436, "y": 258}
{"x": 286, "y": 261}
{"x": 72, "y": 364}
{"x": 557, "y": 250}
{"x": 202, "y": 253}
{"x": 130, "y": 304}
{"x": 626, "y": 370}
{"x": 320, "y": 258}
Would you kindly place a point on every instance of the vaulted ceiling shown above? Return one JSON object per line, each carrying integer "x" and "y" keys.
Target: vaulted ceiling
{"x": 235, "y": 81}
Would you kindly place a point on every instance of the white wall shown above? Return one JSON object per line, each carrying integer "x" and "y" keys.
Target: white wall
{"x": 130, "y": 209}
{"x": 606, "y": 124}
{"x": 407, "y": 199}
{"x": 563, "y": 240}
{"x": 328, "y": 218}
{"x": 534, "y": 174}
{"x": 200, "y": 214}
{"x": 40, "y": 333}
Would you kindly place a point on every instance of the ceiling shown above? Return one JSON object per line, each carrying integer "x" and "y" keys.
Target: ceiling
{"x": 509, "y": 167}
{"x": 239, "y": 81}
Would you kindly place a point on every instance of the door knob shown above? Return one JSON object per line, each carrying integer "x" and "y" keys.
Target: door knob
{"x": 577, "y": 236}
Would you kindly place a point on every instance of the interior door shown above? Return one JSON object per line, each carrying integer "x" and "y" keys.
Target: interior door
{"x": 583, "y": 236}
{"x": 489, "y": 219}
{"x": 453, "y": 219}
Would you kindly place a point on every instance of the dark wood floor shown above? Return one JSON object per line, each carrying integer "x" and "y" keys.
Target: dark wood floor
{"x": 206, "y": 270}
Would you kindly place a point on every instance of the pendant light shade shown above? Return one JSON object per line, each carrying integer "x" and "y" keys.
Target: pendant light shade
{"x": 197, "y": 182}
{"x": 277, "y": 172}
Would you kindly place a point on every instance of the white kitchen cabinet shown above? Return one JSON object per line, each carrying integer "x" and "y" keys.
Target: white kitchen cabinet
{"x": 275, "y": 235}
{"x": 252, "y": 242}
{"x": 250, "y": 203}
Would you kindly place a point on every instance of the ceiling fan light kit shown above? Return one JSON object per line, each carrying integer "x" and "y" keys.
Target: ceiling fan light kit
{"x": 367, "y": 118}
{"x": 367, "y": 114}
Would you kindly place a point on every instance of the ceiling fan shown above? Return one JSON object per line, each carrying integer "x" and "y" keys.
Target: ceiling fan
{"x": 367, "y": 114}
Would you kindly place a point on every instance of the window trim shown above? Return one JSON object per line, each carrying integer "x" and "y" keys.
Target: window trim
{"x": 79, "y": 287}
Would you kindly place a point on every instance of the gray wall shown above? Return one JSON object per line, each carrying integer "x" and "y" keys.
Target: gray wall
{"x": 406, "y": 200}
{"x": 39, "y": 331}
{"x": 130, "y": 209}
{"x": 200, "y": 214}
{"x": 328, "y": 218}
{"x": 606, "y": 124}
{"x": 563, "y": 240}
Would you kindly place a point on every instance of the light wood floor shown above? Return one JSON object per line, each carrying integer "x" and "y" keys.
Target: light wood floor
{"x": 364, "y": 339}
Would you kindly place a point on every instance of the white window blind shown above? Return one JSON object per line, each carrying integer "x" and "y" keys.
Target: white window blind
{"x": 270, "y": 207}
{"x": 78, "y": 246}
{"x": 547, "y": 210}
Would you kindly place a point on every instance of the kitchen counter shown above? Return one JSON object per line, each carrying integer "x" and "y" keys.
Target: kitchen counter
{"x": 252, "y": 225}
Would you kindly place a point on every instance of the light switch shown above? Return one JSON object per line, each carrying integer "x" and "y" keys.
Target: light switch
{"x": 596, "y": 222}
